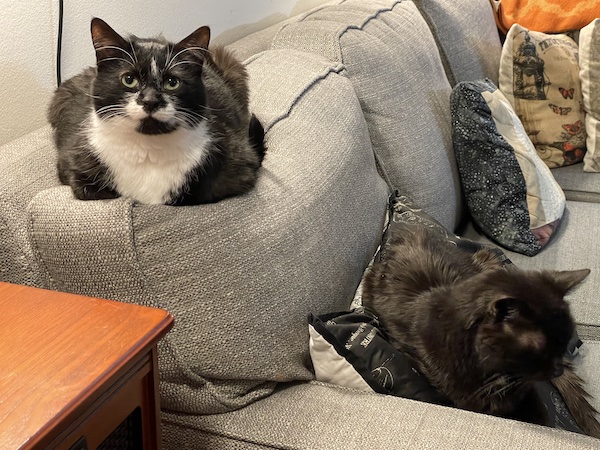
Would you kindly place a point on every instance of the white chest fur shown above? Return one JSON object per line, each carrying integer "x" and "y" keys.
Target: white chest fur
{"x": 147, "y": 168}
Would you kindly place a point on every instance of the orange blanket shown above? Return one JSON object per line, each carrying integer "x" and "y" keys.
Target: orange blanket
{"x": 548, "y": 16}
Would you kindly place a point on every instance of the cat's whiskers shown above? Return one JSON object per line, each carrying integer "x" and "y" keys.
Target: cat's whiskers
{"x": 108, "y": 108}
{"x": 488, "y": 385}
{"x": 92, "y": 95}
{"x": 508, "y": 386}
{"x": 212, "y": 109}
{"x": 496, "y": 385}
{"x": 114, "y": 47}
{"x": 188, "y": 117}
{"x": 135, "y": 58}
{"x": 184, "y": 62}
{"x": 185, "y": 121}
{"x": 187, "y": 49}
{"x": 107, "y": 112}
{"x": 191, "y": 113}
{"x": 115, "y": 58}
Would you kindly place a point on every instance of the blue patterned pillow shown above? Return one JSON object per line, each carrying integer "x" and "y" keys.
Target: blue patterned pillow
{"x": 509, "y": 190}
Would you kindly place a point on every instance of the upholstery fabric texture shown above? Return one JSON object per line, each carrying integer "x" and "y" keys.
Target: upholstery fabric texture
{"x": 384, "y": 67}
{"x": 239, "y": 276}
{"x": 471, "y": 48}
{"x": 539, "y": 74}
{"x": 386, "y": 422}
{"x": 577, "y": 184}
{"x": 589, "y": 74}
{"x": 28, "y": 166}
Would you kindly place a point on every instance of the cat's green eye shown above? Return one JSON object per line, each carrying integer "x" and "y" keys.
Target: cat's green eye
{"x": 129, "y": 80}
{"x": 172, "y": 83}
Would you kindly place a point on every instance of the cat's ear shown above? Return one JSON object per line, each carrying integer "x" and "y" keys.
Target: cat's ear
{"x": 496, "y": 311}
{"x": 505, "y": 309}
{"x": 198, "y": 40}
{"x": 107, "y": 42}
{"x": 567, "y": 279}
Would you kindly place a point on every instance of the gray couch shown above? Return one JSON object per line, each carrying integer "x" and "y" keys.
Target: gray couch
{"x": 351, "y": 94}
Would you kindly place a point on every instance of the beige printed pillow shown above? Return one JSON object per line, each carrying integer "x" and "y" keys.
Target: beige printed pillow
{"x": 589, "y": 46}
{"x": 539, "y": 75}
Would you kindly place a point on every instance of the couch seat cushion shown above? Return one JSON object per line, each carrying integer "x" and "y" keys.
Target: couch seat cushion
{"x": 577, "y": 184}
{"x": 318, "y": 416}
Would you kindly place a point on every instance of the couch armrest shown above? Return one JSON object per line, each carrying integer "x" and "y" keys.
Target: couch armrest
{"x": 86, "y": 247}
{"x": 28, "y": 167}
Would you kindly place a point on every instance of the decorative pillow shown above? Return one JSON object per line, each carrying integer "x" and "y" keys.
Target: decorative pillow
{"x": 404, "y": 212}
{"x": 539, "y": 75}
{"x": 589, "y": 73}
{"x": 351, "y": 349}
{"x": 511, "y": 194}
{"x": 549, "y": 16}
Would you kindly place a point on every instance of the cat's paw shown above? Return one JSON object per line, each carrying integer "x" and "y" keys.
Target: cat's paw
{"x": 92, "y": 193}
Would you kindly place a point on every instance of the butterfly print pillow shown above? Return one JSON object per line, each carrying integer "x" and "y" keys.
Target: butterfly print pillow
{"x": 589, "y": 73}
{"x": 539, "y": 75}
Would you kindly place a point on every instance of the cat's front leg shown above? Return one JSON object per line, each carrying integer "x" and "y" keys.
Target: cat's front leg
{"x": 89, "y": 179}
{"x": 90, "y": 192}
{"x": 93, "y": 187}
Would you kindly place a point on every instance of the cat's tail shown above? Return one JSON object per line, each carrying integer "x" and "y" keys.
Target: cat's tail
{"x": 256, "y": 133}
{"x": 570, "y": 387}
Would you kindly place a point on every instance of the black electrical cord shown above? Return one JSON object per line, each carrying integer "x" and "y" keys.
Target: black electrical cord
{"x": 59, "y": 42}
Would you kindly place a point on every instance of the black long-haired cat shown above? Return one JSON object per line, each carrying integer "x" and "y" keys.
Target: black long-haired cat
{"x": 481, "y": 334}
{"x": 160, "y": 122}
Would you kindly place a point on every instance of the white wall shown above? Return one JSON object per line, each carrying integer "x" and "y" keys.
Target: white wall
{"x": 28, "y": 33}
{"x": 26, "y": 64}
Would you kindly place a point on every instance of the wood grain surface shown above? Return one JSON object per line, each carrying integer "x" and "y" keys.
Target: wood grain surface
{"x": 59, "y": 351}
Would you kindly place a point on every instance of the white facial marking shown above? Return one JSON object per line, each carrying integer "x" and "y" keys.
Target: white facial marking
{"x": 166, "y": 114}
{"x": 136, "y": 111}
{"x": 148, "y": 168}
{"x": 154, "y": 69}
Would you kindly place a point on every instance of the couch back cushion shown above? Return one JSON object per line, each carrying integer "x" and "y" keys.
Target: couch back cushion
{"x": 466, "y": 33}
{"x": 392, "y": 60}
{"x": 240, "y": 276}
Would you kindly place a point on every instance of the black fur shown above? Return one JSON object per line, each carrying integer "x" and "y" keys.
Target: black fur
{"x": 481, "y": 334}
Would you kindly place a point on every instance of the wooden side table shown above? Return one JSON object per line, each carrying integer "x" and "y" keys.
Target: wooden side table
{"x": 75, "y": 371}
